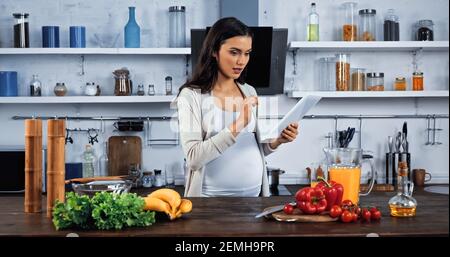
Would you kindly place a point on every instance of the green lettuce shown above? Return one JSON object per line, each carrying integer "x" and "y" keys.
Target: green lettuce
{"x": 102, "y": 211}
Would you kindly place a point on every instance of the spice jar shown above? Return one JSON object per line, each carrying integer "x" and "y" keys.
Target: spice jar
{"x": 151, "y": 89}
{"x": 375, "y": 81}
{"x": 417, "y": 80}
{"x": 342, "y": 72}
{"x": 358, "y": 79}
{"x": 159, "y": 180}
{"x": 168, "y": 85}
{"x": 147, "y": 179}
{"x": 368, "y": 25}
{"x": 424, "y": 30}
{"x": 140, "y": 91}
{"x": 400, "y": 84}
{"x": 60, "y": 89}
{"x": 349, "y": 28}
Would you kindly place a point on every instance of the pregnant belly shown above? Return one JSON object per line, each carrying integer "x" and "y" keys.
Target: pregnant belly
{"x": 238, "y": 168}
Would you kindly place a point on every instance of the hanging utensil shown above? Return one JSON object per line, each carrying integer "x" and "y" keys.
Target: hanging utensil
{"x": 349, "y": 136}
{"x": 398, "y": 142}
{"x": 390, "y": 144}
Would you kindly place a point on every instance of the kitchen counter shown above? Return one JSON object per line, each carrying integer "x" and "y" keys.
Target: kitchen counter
{"x": 220, "y": 217}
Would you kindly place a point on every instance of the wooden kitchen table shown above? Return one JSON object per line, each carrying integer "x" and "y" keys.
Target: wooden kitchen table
{"x": 229, "y": 217}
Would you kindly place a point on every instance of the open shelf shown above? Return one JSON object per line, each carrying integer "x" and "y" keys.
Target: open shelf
{"x": 369, "y": 46}
{"x": 98, "y": 51}
{"x": 370, "y": 94}
{"x": 87, "y": 99}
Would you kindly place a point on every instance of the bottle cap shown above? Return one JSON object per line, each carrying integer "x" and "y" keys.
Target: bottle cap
{"x": 177, "y": 8}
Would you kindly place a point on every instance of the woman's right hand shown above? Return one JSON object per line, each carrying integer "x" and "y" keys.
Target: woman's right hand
{"x": 245, "y": 115}
{"x": 246, "y": 109}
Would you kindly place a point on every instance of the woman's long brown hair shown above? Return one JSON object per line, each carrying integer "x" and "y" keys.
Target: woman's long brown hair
{"x": 206, "y": 71}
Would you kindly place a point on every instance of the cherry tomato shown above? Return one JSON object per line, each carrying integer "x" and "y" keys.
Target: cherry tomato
{"x": 357, "y": 210}
{"x": 376, "y": 215}
{"x": 365, "y": 214}
{"x": 346, "y": 216}
{"x": 288, "y": 209}
{"x": 373, "y": 209}
{"x": 354, "y": 217}
{"x": 347, "y": 203}
{"x": 335, "y": 211}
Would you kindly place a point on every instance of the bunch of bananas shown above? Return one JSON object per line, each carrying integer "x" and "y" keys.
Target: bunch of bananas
{"x": 168, "y": 201}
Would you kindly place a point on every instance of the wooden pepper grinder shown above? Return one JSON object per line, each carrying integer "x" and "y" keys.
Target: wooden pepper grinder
{"x": 55, "y": 163}
{"x": 33, "y": 166}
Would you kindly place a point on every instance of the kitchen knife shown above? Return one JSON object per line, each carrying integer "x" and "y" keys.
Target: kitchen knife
{"x": 273, "y": 209}
{"x": 405, "y": 129}
{"x": 390, "y": 144}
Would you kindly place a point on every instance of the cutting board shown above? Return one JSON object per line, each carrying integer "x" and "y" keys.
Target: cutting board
{"x": 123, "y": 151}
{"x": 298, "y": 216}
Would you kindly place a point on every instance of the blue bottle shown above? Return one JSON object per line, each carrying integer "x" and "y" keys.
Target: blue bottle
{"x": 132, "y": 31}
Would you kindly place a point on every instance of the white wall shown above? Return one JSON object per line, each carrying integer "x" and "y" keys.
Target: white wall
{"x": 111, "y": 16}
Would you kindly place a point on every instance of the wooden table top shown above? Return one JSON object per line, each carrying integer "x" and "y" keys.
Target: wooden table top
{"x": 228, "y": 217}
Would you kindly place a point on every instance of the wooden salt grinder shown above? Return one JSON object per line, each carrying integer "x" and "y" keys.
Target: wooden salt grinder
{"x": 55, "y": 163}
{"x": 33, "y": 166}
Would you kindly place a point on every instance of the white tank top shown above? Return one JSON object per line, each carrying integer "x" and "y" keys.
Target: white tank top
{"x": 238, "y": 171}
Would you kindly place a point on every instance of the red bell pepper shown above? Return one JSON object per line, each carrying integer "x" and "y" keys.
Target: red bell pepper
{"x": 333, "y": 192}
{"x": 311, "y": 200}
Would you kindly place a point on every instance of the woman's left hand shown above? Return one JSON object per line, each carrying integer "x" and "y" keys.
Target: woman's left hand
{"x": 288, "y": 134}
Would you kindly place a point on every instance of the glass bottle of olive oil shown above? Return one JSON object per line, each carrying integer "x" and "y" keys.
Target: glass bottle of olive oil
{"x": 313, "y": 25}
{"x": 403, "y": 204}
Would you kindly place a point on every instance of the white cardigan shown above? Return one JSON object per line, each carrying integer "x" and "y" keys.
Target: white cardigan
{"x": 199, "y": 146}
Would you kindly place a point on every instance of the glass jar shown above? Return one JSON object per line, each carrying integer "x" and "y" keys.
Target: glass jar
{"x": 35, "y": 86}
{"x": 417, "y": 80}
{"x": 342, "y": 72}
{"x": 400, "y": 84}
{"x": 177, "y": 26}
{"x": 349, "y": 27}
{"x": 21, "y": 30}
{"x": 327, "y": 74}
{"x": 123, "y": 83}
{"x": 424, "y": 30}
{"x": 367, "y": 30}
{"x": 375, "y": 81}
{"x": 60, "y": 89}
{"x": 358, "y": 79}
{"x": 168, "y": 85}
{"x": 90, "y": 89}
{"x": 391, "y": 26}
{"x": 151, "y": 89}
{"x": 147, "y": 179}
{"x": 159, "y": 180}
{"x": 140, "y": 91}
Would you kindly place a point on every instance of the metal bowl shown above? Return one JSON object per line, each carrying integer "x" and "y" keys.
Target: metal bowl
{"x": 113, "y": 186}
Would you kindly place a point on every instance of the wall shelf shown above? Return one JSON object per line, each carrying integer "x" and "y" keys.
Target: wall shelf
{"x": 378, "y": 46}
{"x": 97, "y": 51}
{"x": 86, "y": 99}
{"x": 371, "y": 94}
